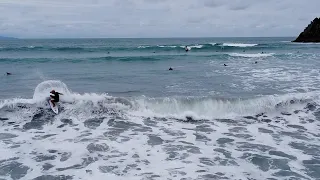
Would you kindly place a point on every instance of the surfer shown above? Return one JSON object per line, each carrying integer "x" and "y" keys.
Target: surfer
{"x": 8, "y": 74}
{"x": 170, "y": 69}
{"x": 54, "y": 98}
{"x": 186, "y": 48}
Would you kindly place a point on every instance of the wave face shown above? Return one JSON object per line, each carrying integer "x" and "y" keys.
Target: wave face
{"x": 247, "y": 108}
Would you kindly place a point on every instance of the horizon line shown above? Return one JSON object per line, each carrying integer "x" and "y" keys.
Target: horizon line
{"x": 24, "y": 38}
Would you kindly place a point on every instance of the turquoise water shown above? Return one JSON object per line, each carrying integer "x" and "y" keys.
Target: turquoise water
{"x": 257, "y": 117}
{"x": 139, "y": 66}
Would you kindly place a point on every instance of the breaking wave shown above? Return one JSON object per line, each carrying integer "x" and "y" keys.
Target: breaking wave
{"x": 251, "y": 55}
{"x": 169, "y": 107}
{"x": 161, "y": 47}
{"x": 96, "y": 134}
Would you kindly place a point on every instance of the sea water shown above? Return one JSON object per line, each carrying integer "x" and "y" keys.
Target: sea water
{"x": 231, "y": 108}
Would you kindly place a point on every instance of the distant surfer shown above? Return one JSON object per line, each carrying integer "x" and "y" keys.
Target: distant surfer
{"x": 256, "y": 62}
{"x": 8, "y": 74}
{"x": 170, "y": 69}
{"x": 186, "y": 48}
{"x": 224, "y": 64}
{"x": 54, "y": 98}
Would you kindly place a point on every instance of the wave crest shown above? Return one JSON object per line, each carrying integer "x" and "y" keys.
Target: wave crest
{"x": 251, "y": 55}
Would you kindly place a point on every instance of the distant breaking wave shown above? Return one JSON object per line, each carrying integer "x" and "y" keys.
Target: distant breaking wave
{"x": 239, "y": 45}
{"x": 251, "y": 55}
{"x": 160, "y": 47}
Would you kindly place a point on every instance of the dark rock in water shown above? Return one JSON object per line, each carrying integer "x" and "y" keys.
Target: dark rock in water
{"x": 93, "y": 123}
{"x": 50, "y": 177}
{"x": 14, "y": 169}
{"x": 311, "y": 33}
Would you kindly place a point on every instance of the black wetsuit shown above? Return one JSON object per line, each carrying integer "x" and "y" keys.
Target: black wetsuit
{"x": 55, "y": 97}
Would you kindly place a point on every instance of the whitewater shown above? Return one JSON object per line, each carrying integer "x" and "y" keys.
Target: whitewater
{"x": 124, "y": 115}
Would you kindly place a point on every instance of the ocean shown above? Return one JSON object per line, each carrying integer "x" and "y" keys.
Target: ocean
{"x": 231, "y": 108}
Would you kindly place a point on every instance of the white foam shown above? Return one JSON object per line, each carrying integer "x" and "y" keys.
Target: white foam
{"x": 211, "y": 108}
{"x": 184, "y": 161}
{"x": 143, "y": 47}
{"x": 251, "y": 55}
{"x": 238, "y": 45}
{"x": 193, "y": 46}
{"x": 167, "y": 46}
{"x": 196, "y": 46}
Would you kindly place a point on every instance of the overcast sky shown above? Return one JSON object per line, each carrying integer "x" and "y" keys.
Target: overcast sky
{"x": 155, "y": 18}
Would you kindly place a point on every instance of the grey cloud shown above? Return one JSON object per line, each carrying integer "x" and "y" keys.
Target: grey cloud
{"x": 155, "y": 18}
{"x": 213, "y": 3}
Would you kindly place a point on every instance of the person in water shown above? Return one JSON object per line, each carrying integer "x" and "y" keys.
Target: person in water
{"x": 186, "y": 48}
{"x": 55, "y": 98}
{"x": 170, "y": 69}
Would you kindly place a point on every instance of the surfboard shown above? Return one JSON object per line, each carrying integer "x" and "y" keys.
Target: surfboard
{"x": 55, "y": 108}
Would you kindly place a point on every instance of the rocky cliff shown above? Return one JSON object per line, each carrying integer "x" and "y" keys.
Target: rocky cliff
{"x": 311, "y": 33}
